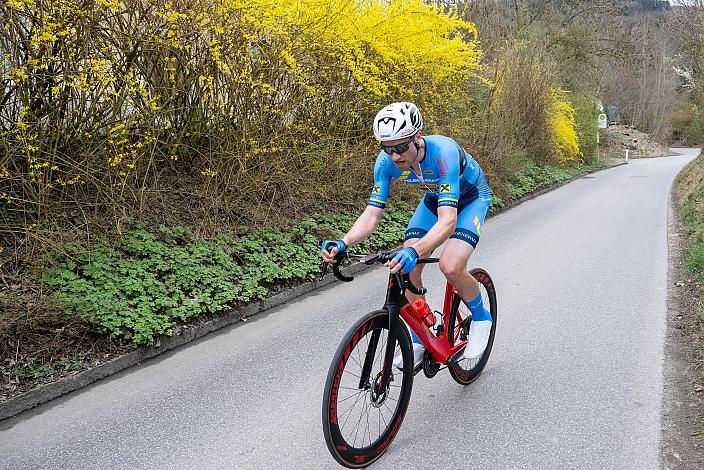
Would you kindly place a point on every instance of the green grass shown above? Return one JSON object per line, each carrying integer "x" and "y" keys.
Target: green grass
{"x": 693, "y": 217}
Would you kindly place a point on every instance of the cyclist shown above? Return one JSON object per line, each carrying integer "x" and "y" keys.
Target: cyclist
{"x": 452, "y": 210}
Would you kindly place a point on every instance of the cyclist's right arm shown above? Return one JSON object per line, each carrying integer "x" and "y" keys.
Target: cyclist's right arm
{"x": 370, "y": 218}
{"x": 361, "y": 230}
{"x": 364, "y": 226}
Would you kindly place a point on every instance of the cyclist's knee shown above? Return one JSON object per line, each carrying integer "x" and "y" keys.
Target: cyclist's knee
{"x": 452, "y": 267}
{"x": 448, "y": 269}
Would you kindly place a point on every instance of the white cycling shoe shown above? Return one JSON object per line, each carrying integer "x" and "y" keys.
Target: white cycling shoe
{"x": 477, "y": 340}
{"x": 418, "y": 351}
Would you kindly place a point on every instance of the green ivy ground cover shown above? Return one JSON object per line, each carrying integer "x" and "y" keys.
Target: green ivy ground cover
{"x": 144, "y": 284}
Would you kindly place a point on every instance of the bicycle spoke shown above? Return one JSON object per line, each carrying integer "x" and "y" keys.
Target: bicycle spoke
{"x": 386, "y": 425}
{"x": 353, "y": 375}
{"x": 348, "y": 412}
{"x": 359, "y": 421}
{"x": 352, "y": 395}
{"x": 355, "y": 360}
{"x": 387, "y": 407}
{"x": 379, "y": 420}
{"x": 368, "y": 433}
{"x": 368, "y": 411}
{"x": 356, "y": 427}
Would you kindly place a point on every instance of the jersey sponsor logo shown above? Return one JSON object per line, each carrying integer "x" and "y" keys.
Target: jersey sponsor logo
{"x": 428, "y": 172}
{"x": 445, "y": 188}
{"x": 447, "y": 202}
{"x": 378, "y": 204}
{"x": 404, "y": 175}
{"x": 466, "y": 235}
{"x": 415, "y": 233}
{"x": 376, "y": 190}
{"x": 442, "y": 165}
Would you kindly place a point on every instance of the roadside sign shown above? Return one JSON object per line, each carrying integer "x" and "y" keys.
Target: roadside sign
{"x": 601, "y": 119}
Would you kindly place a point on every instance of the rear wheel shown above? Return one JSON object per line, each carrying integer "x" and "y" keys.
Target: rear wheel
{"x": 463, "y": 371}
{"x": 359, "y": 419}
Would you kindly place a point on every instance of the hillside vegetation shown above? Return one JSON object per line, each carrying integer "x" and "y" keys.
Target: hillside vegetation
{"x": 162, "y": 160}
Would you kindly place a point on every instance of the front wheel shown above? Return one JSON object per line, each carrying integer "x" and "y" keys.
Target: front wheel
{"x": 359, "y": 419}
{"x": 462, "y": 371}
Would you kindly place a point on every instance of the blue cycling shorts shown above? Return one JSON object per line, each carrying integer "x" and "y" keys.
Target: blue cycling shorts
{"x": 470, "y": 215}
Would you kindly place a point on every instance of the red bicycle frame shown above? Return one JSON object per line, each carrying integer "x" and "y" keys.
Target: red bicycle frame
{"x": 438, "y": 345}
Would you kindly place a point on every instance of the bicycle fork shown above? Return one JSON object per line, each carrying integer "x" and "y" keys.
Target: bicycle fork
{"x": 395, "y": 299}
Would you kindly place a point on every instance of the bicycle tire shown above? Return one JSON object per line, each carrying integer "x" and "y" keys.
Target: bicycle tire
{"x": 347, "y": 453}
{"x": 459, "y": 373}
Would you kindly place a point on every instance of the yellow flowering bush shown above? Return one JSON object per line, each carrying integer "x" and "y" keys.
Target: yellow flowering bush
{"x": 531, "y": 117}
{"x": 563, "y": 129}
{"x": 119, "y": 93}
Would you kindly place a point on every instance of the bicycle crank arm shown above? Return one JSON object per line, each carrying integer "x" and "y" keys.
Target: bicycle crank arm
{"x": 457, "y": 357}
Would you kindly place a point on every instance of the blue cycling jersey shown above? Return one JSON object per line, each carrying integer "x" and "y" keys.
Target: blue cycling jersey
{"x": 448, "y": 175}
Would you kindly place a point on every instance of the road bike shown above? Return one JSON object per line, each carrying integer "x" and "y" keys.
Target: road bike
{"x": 366, "y": 396}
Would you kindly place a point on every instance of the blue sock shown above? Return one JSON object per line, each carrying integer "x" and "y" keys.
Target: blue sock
{"x": 476, "y": 306}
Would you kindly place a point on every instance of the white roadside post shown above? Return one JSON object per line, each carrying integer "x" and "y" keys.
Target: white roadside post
{"x": 626, "y": 159}
{"x": 602, "y": 124}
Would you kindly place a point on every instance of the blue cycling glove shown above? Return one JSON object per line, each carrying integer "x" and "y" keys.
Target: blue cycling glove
{"x": 339, "y": 244}
{"x": 407, "y": 258}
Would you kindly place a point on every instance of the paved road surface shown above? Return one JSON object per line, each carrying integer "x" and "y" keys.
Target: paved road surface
{"x": 575, "y": 379}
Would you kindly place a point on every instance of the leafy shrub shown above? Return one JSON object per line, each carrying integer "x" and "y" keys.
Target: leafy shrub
{"x": 139, "y": 287}
{"x": 142, "y": 284}
{"x": 586, "y": 125}
{"x": 533, "y": 177}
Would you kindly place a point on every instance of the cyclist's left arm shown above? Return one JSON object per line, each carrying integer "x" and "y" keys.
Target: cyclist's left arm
{"x": 439, "y": 233}
{"x": 436, "y": 236}
{"x": 448, "y": 164}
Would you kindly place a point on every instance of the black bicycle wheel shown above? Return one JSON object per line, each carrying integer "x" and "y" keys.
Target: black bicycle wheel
{"x": 462, "y": 371}
{"x": 359, "y": 420}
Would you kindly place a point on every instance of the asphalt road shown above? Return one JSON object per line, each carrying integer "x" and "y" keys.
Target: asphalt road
{"x": 575, "y": 379}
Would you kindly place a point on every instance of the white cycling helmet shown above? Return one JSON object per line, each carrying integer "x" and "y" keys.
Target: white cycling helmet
{"x": 396, "y": 121}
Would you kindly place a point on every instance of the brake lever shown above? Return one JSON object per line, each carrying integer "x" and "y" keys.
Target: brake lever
{"x": 323, "y": 270}
{"x": 335, "y": 269}
{"x": 339, "y": 275}
{"x": 407, "y": 283}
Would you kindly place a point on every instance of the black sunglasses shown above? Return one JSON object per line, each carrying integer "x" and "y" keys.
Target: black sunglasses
{"x": 398, "y": 148}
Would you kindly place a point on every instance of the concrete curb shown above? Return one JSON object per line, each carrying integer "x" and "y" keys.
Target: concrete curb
{"x": 53, "y": 390}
